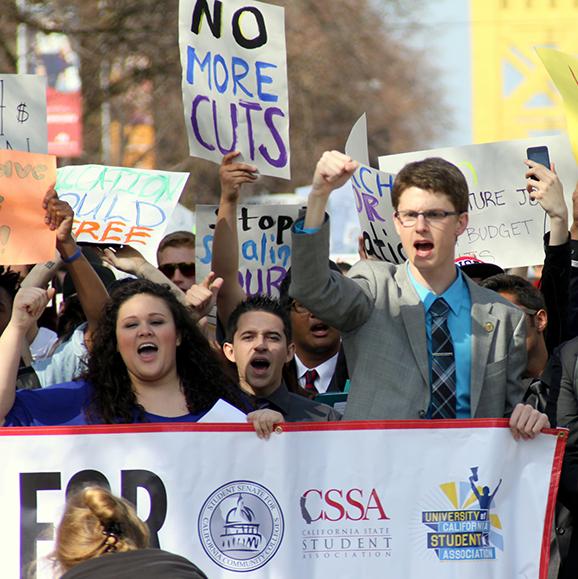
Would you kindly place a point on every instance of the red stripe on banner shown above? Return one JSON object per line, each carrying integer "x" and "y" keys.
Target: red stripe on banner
{"x": 562, "y": 434}
{"x": 238, "y": 427}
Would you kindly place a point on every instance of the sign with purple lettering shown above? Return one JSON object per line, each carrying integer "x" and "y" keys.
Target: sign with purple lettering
{"x": 264, "y": 244}
{"x": 372, "y": 193}
{"x": 234, "y": 83}
{"x": 23, "y": 125}
{"x": 506, "y": 226}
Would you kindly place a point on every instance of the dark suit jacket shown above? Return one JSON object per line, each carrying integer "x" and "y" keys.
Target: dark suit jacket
{"x": 297, "y": 408}
{"x": 338, "y": 379}
{"x": 567, "y": 415}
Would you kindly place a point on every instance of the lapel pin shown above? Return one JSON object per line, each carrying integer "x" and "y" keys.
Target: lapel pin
{"x": 489, "y": 327}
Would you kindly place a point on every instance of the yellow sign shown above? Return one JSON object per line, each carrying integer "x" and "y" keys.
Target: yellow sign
{"x": 563, "y": 69}
{"x": 512, "y": 98}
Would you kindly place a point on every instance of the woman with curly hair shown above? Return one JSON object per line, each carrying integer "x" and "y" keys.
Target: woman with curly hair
{"x": 100, "y": 535}
{"x": 149, "y": 363}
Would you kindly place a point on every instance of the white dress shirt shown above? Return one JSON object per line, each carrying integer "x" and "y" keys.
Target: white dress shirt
{"x": 325, "y": 371}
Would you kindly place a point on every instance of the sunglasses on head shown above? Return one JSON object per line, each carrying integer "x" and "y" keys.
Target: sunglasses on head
{"x": 186, "y": 268}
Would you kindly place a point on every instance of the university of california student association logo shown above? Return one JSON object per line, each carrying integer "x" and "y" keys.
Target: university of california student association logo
{"x": 467, "y": 528}
{"x": 241, "y": 526}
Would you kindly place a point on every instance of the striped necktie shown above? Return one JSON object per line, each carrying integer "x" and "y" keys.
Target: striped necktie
{"x": 443, "y": 371}
{"x": 310, "y": 377}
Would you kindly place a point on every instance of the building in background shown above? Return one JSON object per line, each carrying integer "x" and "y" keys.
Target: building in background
{"x": 512, "y": 94}
{"x": 54, "y": 58}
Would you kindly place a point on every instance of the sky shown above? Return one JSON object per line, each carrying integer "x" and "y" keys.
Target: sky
{"x": 445, "y": 33}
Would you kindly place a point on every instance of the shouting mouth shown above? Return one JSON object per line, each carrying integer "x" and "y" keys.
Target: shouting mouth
{"x": 260, "y": 365}
{"x": 423, "y": 248}
{"x": 319, "y": 329}
{"x": 147, "y": 351}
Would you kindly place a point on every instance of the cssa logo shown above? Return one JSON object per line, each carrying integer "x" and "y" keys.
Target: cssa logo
{"x": 337, "y": 505}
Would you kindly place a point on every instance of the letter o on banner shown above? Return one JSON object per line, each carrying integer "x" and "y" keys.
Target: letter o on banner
{"x": 238, "y": 34}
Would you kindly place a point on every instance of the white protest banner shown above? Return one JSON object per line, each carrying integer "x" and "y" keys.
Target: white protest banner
{"x": 235, "y": 95}
{"x": 505, "y": 226}
{"x": 372, "y": 192}
{"x": 339, "y": 500}
{"x": 120, "y": 205}
{"x": 264, "y": 244}
{"x": 23, "y": 124}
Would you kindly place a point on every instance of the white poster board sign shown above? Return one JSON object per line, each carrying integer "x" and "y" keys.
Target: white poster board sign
{"x": 372, "y": 193}
{"x": 120, "y": 205}
{"x": 234, "y": 83}
{"x": 310, "y": 502}
{"x": 264, "y": 244}
{"x": 505, "y": 226}
{"x": 23, "y": 124}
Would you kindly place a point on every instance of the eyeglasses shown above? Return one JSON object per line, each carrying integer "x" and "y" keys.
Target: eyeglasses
{"x": 298, "y": 308}
{"x": 432, "y": 216}
{"x": 186, "y": 268}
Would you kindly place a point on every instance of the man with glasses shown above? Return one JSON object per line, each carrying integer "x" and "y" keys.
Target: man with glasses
{"x": 319, "y": 365}
{"x": 421, "y": 339}
{"x": 176, "y": 258}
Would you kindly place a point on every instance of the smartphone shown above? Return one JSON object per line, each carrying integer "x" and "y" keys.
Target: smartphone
{"x": 539, "y": 155}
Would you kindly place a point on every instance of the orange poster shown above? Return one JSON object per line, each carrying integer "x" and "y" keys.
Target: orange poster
{"x": 24, "y": 180}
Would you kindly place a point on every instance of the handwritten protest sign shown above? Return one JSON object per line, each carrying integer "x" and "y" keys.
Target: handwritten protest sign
{"x": 120, "y": 205}
{"x": 23, "y": 125}
{"x": 233, "y": 58}
{"x": 563, "y": 69}
{"x": 372, "y": 193}
{"x": 505, "y": 226}
{"x": 264, "y": 244}
{"x": 24, "y": 180}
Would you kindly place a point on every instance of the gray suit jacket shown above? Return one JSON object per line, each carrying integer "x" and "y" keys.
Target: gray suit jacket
{"x": 382, "y": 321}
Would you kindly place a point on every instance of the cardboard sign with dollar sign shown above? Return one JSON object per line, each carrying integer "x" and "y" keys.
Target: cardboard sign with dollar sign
{"x": 23, "y": 124}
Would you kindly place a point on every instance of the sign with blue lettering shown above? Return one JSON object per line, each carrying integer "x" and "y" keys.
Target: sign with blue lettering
{"x": 361, "y": 499}
{"x": 264, "y": 244}
{"x": 120, "y": 205}
{"x": 234, "y": 82}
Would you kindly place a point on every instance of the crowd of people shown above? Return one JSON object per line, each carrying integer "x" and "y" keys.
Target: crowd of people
{"x": 470, "y": 340}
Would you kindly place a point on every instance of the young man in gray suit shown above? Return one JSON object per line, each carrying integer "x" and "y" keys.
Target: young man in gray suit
{"x": 389, "y": 315}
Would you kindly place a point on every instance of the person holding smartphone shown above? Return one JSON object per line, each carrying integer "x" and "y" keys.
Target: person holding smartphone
{"x": 544, "y": 186}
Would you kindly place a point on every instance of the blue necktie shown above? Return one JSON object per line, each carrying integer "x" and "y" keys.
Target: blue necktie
{"x": 443, "y": 371}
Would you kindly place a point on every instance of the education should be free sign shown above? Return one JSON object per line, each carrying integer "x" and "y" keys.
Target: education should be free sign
{"x": 120, "y": 205}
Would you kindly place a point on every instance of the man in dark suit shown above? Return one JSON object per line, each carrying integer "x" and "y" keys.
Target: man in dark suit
{"x": 390, "y": 315}
{"x": 259, "y": 343}
{"x": 319, "y": 365}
